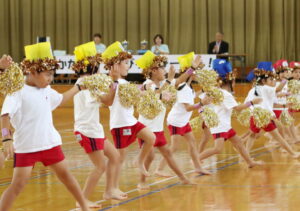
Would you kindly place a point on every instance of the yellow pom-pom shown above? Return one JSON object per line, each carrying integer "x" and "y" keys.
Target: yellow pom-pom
{"x": 11, "y": 79}
{"x": 294, "y": 101}
{"x": 173, "y": 93}
{"x": 286, "y": 119}
{"x": 97, "y": 84}
{"x": 196, "y": 123}
{"x": 209, "y": 117}
{"x": 244, "y": 116}
{"x": 262, "y": 117}
{"x": 207, "y": 78}
{"x": 149, "y": 105}
{"x": 129, "y": 95}
{"x": 216, "y": 94}
{"x": 294, "y": 86}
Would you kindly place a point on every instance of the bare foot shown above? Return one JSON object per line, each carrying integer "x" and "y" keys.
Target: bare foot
{"x": 255, "y": 163}
{"x": 143, "y": 186}
{"x": 202, "y": 171}
{"x": 114, "y": 195}
{"x": 162, "y": 174}
{"x": 296, "y": 155}
{"x": 186, "y": 181}
{"x": 90, "y": 204}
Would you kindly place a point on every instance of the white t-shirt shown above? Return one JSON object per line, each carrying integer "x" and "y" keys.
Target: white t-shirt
{"x": 281, "y": 100}
{"x": 86, "y": 114}
{"x": 268, "y": 95}
{"x": 179, "y": 116}
{"x": 224, "y": 111}
{"x": 156, "y": 124}
{"x": 30, "y": 111}
{"x": 119, "y": 115}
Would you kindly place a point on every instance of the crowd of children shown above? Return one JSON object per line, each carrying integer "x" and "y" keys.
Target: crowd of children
{"x": 35, "y": 139}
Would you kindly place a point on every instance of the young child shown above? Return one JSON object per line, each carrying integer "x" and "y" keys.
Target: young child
{"x": 123, "y": 125}
{"x": 88, "y": 130}
{"x": 5, "y": 62}
{"x": 224, "y": 130}
{"x": 180, "y": 114}
{"x": 29, "y": 110}
{"x": 154, "y": 70}
{"x": 282, "y": 72}
{"x": 265, "y": 89}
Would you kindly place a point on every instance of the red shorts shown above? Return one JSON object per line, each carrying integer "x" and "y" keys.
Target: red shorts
{"x": 277, "y": 113}
{"x": 159, "y": 141}
{"x": 47, "y": 157}
{"x": 180, "y": 130}
{"x": 270, "y": 127}
{"x": 293, "y": 111}
{"x": 124, "y": 136}
{"x": 226, "y": 135}
{"x": 90, "y": 144}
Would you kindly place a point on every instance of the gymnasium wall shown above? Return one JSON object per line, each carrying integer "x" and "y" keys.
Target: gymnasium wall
{"x": 263, "y": 29}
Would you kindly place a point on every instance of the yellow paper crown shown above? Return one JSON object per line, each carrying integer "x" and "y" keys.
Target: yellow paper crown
{"x": 146, "y": 60}
{"x": 85, "y": 50}
{"x": 38, "y": 51}
{"x": 186, "y": 60}
{"x": 112, "y": 50}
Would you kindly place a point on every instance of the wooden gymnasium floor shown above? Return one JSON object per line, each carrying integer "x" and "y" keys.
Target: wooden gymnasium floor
{"x": 274, "y": 186}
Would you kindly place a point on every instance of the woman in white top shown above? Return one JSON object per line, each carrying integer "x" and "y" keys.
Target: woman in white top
{"x": 159, "y": 48}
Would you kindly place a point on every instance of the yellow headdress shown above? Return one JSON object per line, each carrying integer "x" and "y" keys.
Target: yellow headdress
{"x": 39, "y": 58}
{"x": 114, "y": 54}
{"x": 150, "y": 61}
{"x": 186, "y": 60}
{"x": 86, "y": 57}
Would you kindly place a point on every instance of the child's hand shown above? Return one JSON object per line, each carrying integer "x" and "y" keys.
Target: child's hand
{"x": 196, "y": 62}
{"x": 257, "y": 100}
{"x": 114, "y": 72}
{"x": 9, "y": 149}
{"x": 206, "y": 100}
{"x": 5, "y": 62}
{"x": 171, "y": 73}
{"x": 167, "y": 96}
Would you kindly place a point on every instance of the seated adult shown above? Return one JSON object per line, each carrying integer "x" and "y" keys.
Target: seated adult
{"x": 159, "y": 48}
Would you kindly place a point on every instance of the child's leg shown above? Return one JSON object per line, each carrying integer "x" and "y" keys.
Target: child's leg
{"x": 111, "y": 191}
{"x": 293, "y": 131}
{"x": 193, "y": 153}
{"x": 204, "y": 139}
{"x": 173, "y": 148}
{"x": 275, "y": 134}
{"x": 168, "y": 156}
{"x": 149, "y": 138}
{"x": 122, "y": 153}
{"x": 97, "y": 158}
{"x": 219, "y": 144}
{"x": 142, "y": 184}
{"x": 250, "y": 141}
{"x": 65, "y": 176}
{"x": 237, "y": 143}
{"x": 20, "y": 177}
{"x": 1, "y": 159}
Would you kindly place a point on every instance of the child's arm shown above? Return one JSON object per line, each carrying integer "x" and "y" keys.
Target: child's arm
{"x": 70, "y": 93}
{"x": 281, "y": 85}
{"x": 6, "y": 136}
{"x": 108, "y": 98}
{"x": 247, "y": 104}
{"x": 205, "y": 101}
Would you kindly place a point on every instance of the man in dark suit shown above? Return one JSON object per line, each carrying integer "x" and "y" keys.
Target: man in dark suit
{"x": 219, "y": 46}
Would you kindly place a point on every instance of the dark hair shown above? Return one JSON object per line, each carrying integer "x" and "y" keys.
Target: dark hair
{"x": 160, "y": 36}
{"x": 90, "y": 70}
{"x": 98, "y": 35}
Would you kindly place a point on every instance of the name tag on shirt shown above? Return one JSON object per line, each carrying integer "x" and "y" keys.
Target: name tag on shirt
{"x": 78, "y": 137}
{"x": 126, "y": 132}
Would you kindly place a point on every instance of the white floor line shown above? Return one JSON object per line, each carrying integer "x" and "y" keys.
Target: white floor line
{"x": 187, "y": 172}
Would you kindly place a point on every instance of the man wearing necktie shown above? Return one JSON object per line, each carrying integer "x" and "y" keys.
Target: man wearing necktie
{"x": 219, "y": 46}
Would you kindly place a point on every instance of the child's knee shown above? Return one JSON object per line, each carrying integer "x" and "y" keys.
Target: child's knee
{"x": 18, "y": 186}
